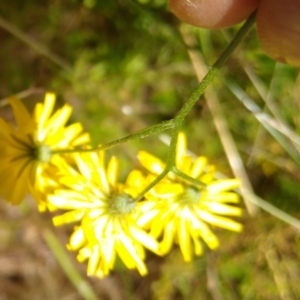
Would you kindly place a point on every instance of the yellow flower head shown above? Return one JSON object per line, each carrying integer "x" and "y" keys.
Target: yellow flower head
{"x": 178, "y": 211}
{"x": 107, "y": 212}
{"x": 25, "y": 150}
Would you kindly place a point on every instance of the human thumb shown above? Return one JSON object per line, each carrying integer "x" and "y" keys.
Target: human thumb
{"x": 278, "y": 26}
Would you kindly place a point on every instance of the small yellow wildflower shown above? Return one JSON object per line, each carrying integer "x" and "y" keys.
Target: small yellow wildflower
{"x": 177, "y": 211}
{"x": 25, "y": 150}
{"x": 107, "y": 212}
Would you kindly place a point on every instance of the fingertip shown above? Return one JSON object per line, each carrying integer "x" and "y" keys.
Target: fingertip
{"x": 212, "y": 14}
{"x": 279, "y": 30}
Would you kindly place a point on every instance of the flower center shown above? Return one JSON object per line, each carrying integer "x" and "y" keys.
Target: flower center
{"x": 191, "y": 195}
{"x": 122, "y": 204}
{"x": 43, "y": 153}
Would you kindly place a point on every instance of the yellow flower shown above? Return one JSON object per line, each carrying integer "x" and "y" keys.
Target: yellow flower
{"x": 25, "y": 150}
{"x": 177, "y": 211}
{"x": 107, "y": 212}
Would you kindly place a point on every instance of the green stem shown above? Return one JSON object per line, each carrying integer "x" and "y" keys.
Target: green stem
{"x": 188, "y": 178}
{"x": 213, "y": 71}
{"x": 179, "y": 118}
{"x": 152, "y": 184}
{"x": 81, "y": 285}
{"x": 135, "y": 136}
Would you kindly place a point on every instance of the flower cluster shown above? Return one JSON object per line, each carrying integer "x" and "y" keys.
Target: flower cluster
{"x": 53, "y": 162}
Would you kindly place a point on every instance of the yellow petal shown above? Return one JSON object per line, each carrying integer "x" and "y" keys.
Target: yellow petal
{"x": 20, "y": 186}
{"x": 168, "y": 238}
{"x": 135, "y": 178}
{"x": 223, "y": 185}
{"x": 77, "y": 239}
{"x": 146, "y": 240}
{"x": 43, "y": 111}
{"x": 109, "y": 251}
{"x": 84, "y": 168}
{"x": 180, "y": 149}
{"x": 165, "y": 190}
{"x": 112, "y": 171}
{"x": 68, "y": 217}
{"x": 198, "y": 228}
{"x": 81, "y": 139}
{"x": 198, "y": 166}
{"x": 163, "y": 219}
{"x": 185, "y": 164}
{"x": 184, "y": 240}
{"x": 223, "y": 197}
{"x": 94, "y": 261}
{"x": 197, "y": 244}
{"x": 5, "y": 129}
{"x": 220, "y": 221}
{"x": 70, "y": 133}
{"x": 54, "y": 125}
{"x": 127, "y": 253}
{"x": 84, "y": 253}
{"x": 70, "y": 200}
{"x": 21, "y": 114}
{"x": 223, "y": 209}
{"x": 210, "y": 239}
{"x": 145, "y": 218}
{"x": 98, "y": 159}
{"x": 150, "y": 162}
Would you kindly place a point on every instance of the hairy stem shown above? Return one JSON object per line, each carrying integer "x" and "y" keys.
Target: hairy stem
{"x": 135, "y": 136}
{"x": 187, "y": 107}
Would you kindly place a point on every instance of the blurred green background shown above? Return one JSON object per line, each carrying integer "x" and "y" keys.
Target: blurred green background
{"x": 123, "y": 65}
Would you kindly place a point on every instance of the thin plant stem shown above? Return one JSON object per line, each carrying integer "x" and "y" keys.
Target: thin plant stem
{"x": 82, "y": 286}
{"x": 179, "y": 118}
{"x": 213, "y": 71}
{"x": 135, "y": 136}
{"x": 152, "y": 184}
{"x": 187, "y": 107}
{"x": 188, "y": 178}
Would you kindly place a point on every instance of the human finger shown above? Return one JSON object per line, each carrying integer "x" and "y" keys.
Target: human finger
{"x": 212, "y": 14}
{"x": 278, "y": 26}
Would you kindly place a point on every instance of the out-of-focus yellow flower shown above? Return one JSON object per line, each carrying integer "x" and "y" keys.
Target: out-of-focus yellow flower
{"x": 107, "y": 213}
{"x": 26, "y": 164}
{"x": 177, "y": 211}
